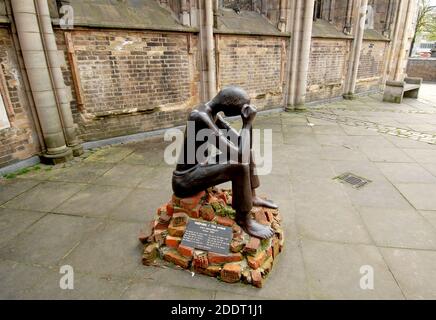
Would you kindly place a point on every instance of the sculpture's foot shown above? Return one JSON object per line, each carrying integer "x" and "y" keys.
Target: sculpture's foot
{"x": 254, "y": 228}
{"x": 259, "y": 202}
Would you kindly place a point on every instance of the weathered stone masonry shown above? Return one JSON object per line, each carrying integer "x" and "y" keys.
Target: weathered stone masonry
{"x": 132, "y": 81}
{"x": 138, "y": 66}
{"x": 19, "y": 141}
{"x": 257, "y": 64}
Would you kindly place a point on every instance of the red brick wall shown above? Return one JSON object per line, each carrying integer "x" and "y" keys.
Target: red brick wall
{"x": 371, "y": 66}
{"x": 328, "y": 65}
{"x": 19, "y": 141}
{"x": 422, "y": 68}
{"x": 254, "y": 63}
{"x": 128, "y": 72}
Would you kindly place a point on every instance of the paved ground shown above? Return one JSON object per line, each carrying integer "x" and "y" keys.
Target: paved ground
{"x": 88, "y": 213}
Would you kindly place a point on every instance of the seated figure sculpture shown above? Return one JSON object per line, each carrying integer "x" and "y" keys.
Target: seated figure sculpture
{"x": 192, "y": 177}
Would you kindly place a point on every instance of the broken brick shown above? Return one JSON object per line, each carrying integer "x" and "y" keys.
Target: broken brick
{"x": 207, "y": 212}
{"x": 146, "y": 234}
{"x": 172, "y": 242}
{"x": 164, "y": 218}
{"x": 256, "y": 261}
{"x": 200, "y": 260}
{"x": 252, "y": 245}
{"x": 185, "y": 251}
{"x": 159, "y": 236}
{"x": 231, "y": 273}
{"x": 246, "y": 276}
{"x": 175, "y": 200}
{"x": 176, "y": 231}
{"x": 215, "y": 258}
{"x": 236, "y": 246}
{"x": 191, "y": 202}
{"x": 176, "y": 258}
{"x": 179, "y": 219}
{"x": 256, "y": 278}
{"x": 195, "y": 212}
{"x": 211, "y": 271}
{"x": 150, "y": 253}
{"x": 225, "y": 221}
{"x": 261, "y": 218}
{"x": 267, "y": 265}
{"x": 269, "y": 216}
{"x": 275, "y": 247}
{"x": 170, "y": 209}
{"x": 161, "y": 210}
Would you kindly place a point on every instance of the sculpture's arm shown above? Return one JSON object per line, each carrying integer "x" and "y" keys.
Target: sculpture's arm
{"x": 231, "y": 132}
{"x": 222, "y": 142}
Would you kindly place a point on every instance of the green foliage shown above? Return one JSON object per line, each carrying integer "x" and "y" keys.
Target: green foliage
{"x": 20, "y": 172}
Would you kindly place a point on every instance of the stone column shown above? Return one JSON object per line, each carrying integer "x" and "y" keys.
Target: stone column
{"x": 37, "y": 70}
{"x": 303, "y": 61}
{"x": 210, "y": 48}
{"x": 55, "y": 63}
{"x": 359, "y": 28}
{"x": 300, "y": 53}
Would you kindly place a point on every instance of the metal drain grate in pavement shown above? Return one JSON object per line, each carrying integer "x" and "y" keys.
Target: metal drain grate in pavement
{"x": 350, "y": 178}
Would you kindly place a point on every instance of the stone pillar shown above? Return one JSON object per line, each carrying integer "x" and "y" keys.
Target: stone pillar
{"x": 295, "y": 26}
{"x": 405, "y": 43}
{"x": 29, "y": 35}
{"x": 210, "y": 48}
{"x": 303, "y": 61}
{"x": 359, "y": 28}
{"x": 54, "y": 62}
{"x": 299, "y": 53}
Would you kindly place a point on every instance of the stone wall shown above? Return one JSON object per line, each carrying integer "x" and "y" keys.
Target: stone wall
{"x": 371, "y": 65}
{"x": 328, "y": 64}
{"x": 255, "y": 63}
{"x": 132, "y": 81}
{"x": 422, "y": 68}
{"x": 19, "y": 141}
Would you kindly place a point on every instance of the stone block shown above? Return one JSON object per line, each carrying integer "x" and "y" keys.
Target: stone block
{"x": 150, "y": 253}
{"x": 231, "y": 272}
{"x": 179, "y": 219}
{"x": 176, "y": 231}
{"x": 215, "y": 258}
{"x": 256, "y": 278}
{"x": 252, "y": 245}
{"x": 176, "y": 258}
{"x": 172, "y": 242}
{"x": 185, "y": 251}
{"x": 256, "y": 261}
{"x": 225, "y": 221}
{"x": 207, "y": 212}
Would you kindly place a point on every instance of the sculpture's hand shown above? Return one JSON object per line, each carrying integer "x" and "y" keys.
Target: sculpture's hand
{"x": 248, "y": 114}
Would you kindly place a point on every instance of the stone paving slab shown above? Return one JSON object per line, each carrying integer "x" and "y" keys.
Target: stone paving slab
{"x": 87, "y": 213}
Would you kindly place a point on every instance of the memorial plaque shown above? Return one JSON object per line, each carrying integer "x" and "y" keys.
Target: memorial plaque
{"x": 208, "y": 236}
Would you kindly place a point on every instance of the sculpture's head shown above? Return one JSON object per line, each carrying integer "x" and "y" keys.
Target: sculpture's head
{"x": 231, "y": 100}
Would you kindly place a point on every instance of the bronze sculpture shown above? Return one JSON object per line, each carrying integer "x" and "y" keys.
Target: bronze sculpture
{"x": 192, "y": 177}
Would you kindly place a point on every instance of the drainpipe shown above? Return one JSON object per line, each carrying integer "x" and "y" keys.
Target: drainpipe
{"x": 296, "y": 20}
{"x": 402, "y": 52}
{"x": 210, "y": 49}
{"x": 29, "y": 36}
{"x": 357, "y": 46}
{"x": 306, "y": 41}
{"x": 54, "y": 63}
{"x": 394, "y": 40}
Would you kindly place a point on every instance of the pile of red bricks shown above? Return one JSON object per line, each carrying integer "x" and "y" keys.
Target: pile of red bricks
{"x": 250, "y": 259}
